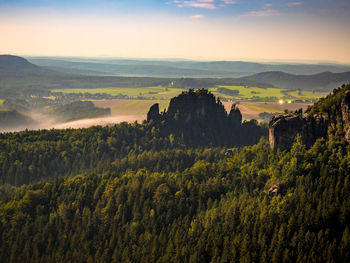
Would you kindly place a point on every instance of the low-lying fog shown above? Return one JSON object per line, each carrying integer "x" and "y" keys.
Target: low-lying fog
{"x": 41, "y": 121}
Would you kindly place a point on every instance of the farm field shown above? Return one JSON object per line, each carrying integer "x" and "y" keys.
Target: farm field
{"x": 250, "y": 92}
{"x": 146, "y": 92}
{"x": 49, "y": 98}
{"x": 137, "y": 109}
{"x": 251, "y": 110}
{"x": 306, "y": 94}
{"x": 130, "y": 107}
{"x": 245, "y": 93}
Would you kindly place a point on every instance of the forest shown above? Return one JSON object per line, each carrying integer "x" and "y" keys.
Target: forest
{"x": 149, "y": 193}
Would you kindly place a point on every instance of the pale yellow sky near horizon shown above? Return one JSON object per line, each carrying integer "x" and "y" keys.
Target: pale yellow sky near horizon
{"x": 172, "y": 37}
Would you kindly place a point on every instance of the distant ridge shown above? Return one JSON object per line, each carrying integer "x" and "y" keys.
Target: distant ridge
{"x": 14, "y": 65}
{"x": 18, "y": 74}
{"x": 322, "y": 81}
{"x": 170, "y": 68}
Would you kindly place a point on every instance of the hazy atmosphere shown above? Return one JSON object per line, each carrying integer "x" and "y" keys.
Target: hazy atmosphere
{"x": 199, "y": 131}
{"x": 313, "y": 30}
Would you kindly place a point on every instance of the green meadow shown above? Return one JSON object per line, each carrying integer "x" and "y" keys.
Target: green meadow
{"x": 250, "y": 92}
{"x": 305, "y": 94}
{"x": 49, "y": 98}
{"x": 147, "y": 92}
{"x": 157, "y": 93}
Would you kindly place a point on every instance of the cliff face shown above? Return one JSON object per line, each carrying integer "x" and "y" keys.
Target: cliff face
{"x": 284, "y": 128}
{"x": 345, "y": 112}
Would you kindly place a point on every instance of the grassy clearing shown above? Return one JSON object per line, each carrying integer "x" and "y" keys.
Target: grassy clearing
{"x": 147, "y": 92}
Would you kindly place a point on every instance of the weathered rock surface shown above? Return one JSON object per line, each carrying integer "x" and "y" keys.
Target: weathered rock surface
{"x": 153, "y": 113}
{"x": 235, "y": 115}
{"x": 201, "y": 119}
{"x": 284, "y": 128}
{"x": 345, "y": 112}
{"x": 199, "y": 108}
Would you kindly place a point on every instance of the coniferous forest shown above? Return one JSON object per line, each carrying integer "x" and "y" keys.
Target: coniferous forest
{"x": 161, "y": 192}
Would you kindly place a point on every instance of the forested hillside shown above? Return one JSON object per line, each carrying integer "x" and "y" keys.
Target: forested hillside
{"x": 134, "y": 193}
{"x": 217, "y": 210}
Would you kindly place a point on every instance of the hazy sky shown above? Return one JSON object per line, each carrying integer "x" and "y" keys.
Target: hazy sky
{"x": 310, "y": 30}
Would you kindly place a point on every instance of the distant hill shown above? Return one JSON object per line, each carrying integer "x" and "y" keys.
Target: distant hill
{"x": 20, "y": 76}
{"x": 14, "y": 65}
{"x": 180, "y": 68}
{"x": 323, "y": 81}
{"x": 136, "y": 69}
{"x": 11, "y": 119}
{"x": 79, "y": 110}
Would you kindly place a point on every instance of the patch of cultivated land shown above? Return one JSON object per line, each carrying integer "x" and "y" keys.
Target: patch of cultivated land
{"x": 168, "y": 93}
{"x": 146, "y": 92}
{"x": 251, "y": 110}
{"x": 250, "y": 92}
{"x": 49, "y": 98}
{"x": 130, "y": 107}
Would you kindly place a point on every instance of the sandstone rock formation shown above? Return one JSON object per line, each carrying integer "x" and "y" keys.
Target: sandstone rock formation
{"x": 284, "y": 128}
{"x": 153, "y": 113}
{"x": 195, "y": 107}
{"x": 235, "y": 115}
{"x": 345, "y": 112}
{"x": 201, "y": 119}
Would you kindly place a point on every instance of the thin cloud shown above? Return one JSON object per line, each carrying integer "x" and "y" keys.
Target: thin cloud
{"x": 263, "y": 13}
{"x": 206, "y": 4}
{"x": 229, "y": 2}
{"x": 197, "y": 16}
{"x": 294, "y": 3}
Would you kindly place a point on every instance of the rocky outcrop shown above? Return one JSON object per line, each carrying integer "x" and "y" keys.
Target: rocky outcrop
{"x": 153, "y": 113}
{"x": 235, "y": 115}
{"x": 195, "y": 107}
{"x": 201, "y": 119}
{"x": 284, "y": 128}
{"x": 345, "y": 112}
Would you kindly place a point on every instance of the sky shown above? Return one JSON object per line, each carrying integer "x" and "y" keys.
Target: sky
{"x": 251, "y": 30}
